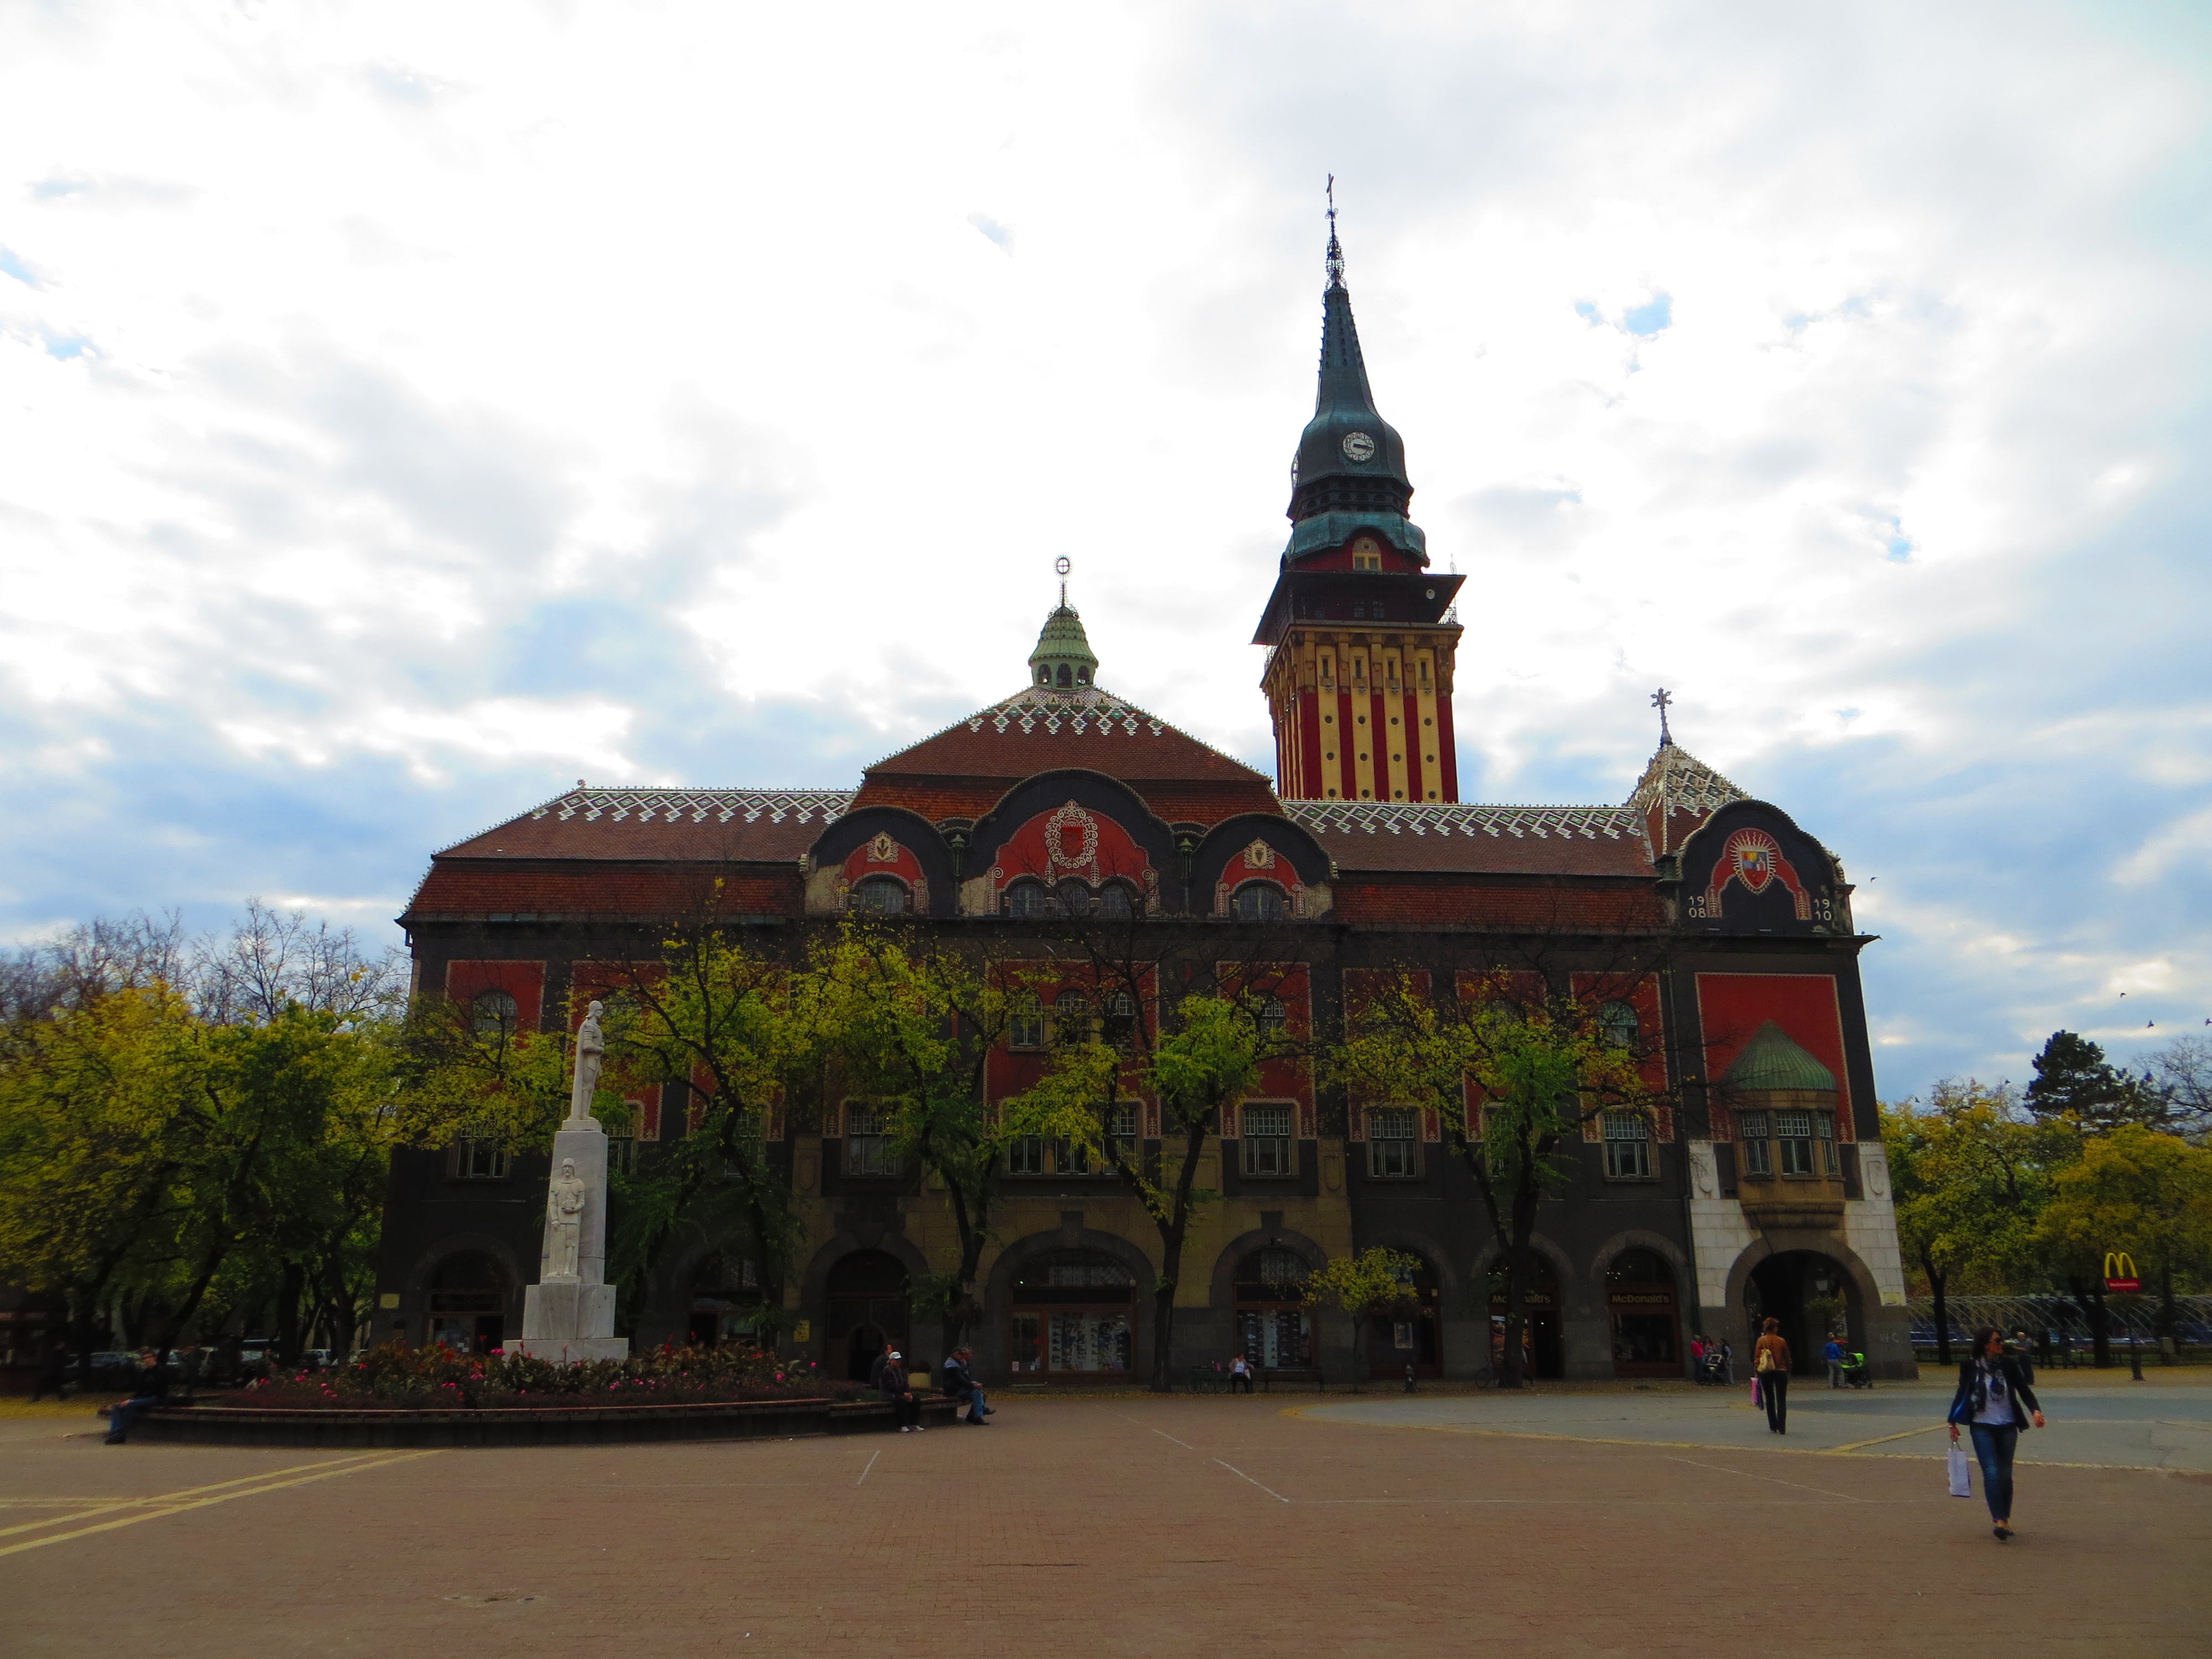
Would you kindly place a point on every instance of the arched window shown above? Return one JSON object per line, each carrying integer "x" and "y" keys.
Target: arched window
{"x": 1619, "y": 1023}
{"x": 1025, "y": 1029}
{"x": 1639, "y": 1266}
{"x": 1122, "y": 1020}
{"x": 1026, "y": 899}
{"x": 494, "y": 1014}
{"x": 1044, "y": 675}
{"x": 1272, "y": 1017}
{"x": 1074, "y": 898}
{"x": 881, "y": 895}
{"x": 1274, "y": 1330}
{"x": 1639, "y": 1294}
{"x": 1065, "y": 678}
{"x": 1257, "y": 901}
{"x": 1113, "y": 900}
{"x": 1070, "y": 1018}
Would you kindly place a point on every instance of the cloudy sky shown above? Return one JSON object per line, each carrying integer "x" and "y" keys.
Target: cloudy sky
{"x": 407, "y": 409}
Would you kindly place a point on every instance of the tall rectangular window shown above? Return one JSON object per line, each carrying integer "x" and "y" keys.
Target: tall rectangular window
{"x": 1393, "y": 1142}
{"x": 867, "y": 1142}
{"x": 1025, "y": 1155}
{"x": 1268, "y": 1140}
{"x": 1752, "y": 1129}
{"x": 479, "y": 1160}
{"x": 1824, "y": 1133}
{"x": 1121, "y": 1130}
{"x": 1793, "y": 1141}
{"x": 1627, "y": 1148}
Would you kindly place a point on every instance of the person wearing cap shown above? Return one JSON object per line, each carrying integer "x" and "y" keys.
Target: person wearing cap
{"x": 889, "y": 1376}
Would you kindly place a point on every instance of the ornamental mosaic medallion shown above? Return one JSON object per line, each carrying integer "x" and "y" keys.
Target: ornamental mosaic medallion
{"x": 1071, "y": 838}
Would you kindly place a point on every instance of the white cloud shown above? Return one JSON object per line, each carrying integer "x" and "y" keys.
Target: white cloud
{"x": 402, "y": 408}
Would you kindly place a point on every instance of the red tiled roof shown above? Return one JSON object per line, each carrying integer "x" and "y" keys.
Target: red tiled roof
{"x": 1039, "y": 731}
{"x": 1171, "y": 800}
{"x": 766, "y": 826}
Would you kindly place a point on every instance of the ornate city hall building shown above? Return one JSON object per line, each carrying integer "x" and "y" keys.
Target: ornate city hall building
{"x": 1757, "y": 1187}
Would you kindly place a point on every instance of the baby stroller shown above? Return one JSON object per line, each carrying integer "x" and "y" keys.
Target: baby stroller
{"x": 1715, "y": 1367}
{"x": 1856, "y": 1374}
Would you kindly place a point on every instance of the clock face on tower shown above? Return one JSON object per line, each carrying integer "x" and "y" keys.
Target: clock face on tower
{"x": 1359, "y": 446}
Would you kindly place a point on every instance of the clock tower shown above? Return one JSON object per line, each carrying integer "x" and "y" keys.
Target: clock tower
{"x": 1359, "y": 641}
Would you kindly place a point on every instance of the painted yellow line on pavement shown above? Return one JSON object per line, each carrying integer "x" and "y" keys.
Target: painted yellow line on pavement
{"x": 1925, "y": 1428}
{"x": 202, "y": 1502}
{"x": 109, "y": 1506}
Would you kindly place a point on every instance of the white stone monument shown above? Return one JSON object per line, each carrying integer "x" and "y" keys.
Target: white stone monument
{"x": 570, "y": 1314}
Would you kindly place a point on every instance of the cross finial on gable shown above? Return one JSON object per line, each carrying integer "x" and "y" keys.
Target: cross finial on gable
{"x": 1660, "y": 699}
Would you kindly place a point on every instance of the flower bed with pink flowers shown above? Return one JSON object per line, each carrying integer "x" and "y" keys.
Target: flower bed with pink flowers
{"x": 440, "y": 1379}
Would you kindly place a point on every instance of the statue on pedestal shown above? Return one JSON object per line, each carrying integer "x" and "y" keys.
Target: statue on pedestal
{"x": 568, "y": 1315}
{"x": 590, "y": 1055}
{"x": 564, "y": 1210}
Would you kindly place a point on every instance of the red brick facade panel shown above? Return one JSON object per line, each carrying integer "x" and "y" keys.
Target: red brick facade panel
{"x": 466, "y": 981}
{"x": 1417, "y": 904}
{"x": 466, "y": 889}
{"x": 1731, "y": 1007}
{"x": 1488, "y": 854}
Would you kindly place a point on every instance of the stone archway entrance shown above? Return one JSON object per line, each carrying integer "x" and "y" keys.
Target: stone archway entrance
{"x": 1811, "y": 1295}
{"x": 1543, "y": 1354}
{"x": 867, "y": 1297}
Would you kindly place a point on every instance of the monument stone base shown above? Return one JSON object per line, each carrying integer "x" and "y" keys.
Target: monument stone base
{"x": 571, "y": 1350}
{"x": 565, "y": 1321}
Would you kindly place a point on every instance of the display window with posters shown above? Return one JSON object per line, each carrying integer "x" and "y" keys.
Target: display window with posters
{"x": 1071, "y": 1318}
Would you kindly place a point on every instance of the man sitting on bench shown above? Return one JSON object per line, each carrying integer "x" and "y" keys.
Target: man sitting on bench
{"x": 962, "y": 1385}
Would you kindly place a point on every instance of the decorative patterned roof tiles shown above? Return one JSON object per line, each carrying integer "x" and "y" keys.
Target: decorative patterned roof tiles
{"x": 1686, "y": 784}
{"x": 1044, "y": 729}
{"x": 1465, "y": 819}
{"x": 700, "y": 806}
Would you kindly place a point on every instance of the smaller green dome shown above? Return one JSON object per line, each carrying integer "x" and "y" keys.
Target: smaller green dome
{"x": 1063, "y": 659}
{"x": 1773, "y": 1060}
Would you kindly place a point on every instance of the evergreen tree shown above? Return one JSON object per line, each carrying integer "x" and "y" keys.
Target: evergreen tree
{"x": 2075, "y": 1086}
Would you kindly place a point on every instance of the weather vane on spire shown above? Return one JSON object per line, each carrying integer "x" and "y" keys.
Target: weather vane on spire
{"x": 1062, "y": 565}
{"x": 1335, "y": 250}
{"x": 1660, "y": 699}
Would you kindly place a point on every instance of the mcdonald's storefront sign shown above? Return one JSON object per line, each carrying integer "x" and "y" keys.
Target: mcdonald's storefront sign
{"x": 2120, "y": 1273}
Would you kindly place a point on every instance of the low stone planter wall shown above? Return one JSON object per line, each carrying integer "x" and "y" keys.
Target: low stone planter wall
{"x": 584, "y": 1425}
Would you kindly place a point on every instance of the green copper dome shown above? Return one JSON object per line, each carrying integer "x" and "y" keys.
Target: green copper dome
{"x": 1063, "y": 658}
{"x": 1772, "y": 1061}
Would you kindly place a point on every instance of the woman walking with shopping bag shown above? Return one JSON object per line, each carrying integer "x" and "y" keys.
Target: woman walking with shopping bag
{"x": 1770, "y": 1366}
{"x": 1995, "y": 1403}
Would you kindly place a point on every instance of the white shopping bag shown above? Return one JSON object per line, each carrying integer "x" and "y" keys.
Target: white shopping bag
{"x": 1961, "y": 1485}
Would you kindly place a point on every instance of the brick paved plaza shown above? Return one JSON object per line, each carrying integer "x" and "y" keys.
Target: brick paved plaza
{"x": 1094, "y": 1526}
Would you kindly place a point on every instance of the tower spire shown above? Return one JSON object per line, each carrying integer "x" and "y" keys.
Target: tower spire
{"x": 1660, "y": 699}
{"x": 1063, "y": 659}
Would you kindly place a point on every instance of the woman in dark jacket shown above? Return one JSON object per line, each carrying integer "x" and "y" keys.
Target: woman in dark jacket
{"x": 1996, "y": 1403}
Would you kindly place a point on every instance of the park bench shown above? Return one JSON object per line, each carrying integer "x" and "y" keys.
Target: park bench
{"x": 1270, "y": 1376}
{"x": 1204, "y": 1379}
